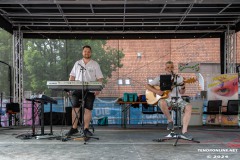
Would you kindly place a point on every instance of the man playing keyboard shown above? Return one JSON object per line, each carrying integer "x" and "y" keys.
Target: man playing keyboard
{"x": 84, "y": 70}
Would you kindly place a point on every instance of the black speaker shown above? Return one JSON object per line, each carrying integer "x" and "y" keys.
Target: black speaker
{"x": 12, "y": 108}
{"x": 68, "y": 115}
{"x": 238, "y": 69}
{"x": 58, "y": 118}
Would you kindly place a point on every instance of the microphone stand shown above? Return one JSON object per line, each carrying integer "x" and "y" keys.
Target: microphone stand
{"x": 175, "y": 106}
{"x": 83, "y": 103}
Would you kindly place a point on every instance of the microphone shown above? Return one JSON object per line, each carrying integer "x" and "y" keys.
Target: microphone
{"x": 81, "y": 66}
{"x": 173, "y": 74}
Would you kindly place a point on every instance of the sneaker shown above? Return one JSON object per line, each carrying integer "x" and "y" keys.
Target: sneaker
{"x": 170, "y": 126}
{"x": 87, "y": 132}
{"x": 186, "y": 136}
{"x": 72, "y": 131}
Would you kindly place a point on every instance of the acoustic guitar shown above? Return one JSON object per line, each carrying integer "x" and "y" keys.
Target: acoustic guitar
{"x": 153, "y": 98}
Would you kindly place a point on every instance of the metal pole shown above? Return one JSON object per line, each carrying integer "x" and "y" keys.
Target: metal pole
{"x": 1, "y": 110}
{"x": 10, "y": 83}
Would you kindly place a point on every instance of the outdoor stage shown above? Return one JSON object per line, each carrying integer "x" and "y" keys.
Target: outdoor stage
{"x": 134, "y": 142}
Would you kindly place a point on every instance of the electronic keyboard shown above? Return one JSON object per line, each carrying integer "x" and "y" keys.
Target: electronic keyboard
{"x": 74, "y": 85}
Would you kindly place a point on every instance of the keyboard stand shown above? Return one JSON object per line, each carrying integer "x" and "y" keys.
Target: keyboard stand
{"x": 42, "y": 135}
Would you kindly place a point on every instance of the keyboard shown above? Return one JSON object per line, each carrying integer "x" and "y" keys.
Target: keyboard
{"x": 74, "y": 85}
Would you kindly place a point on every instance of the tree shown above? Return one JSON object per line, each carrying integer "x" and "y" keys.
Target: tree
{"x": 53, "y": 60}
{"x": 41, "y": 62}
{"x": 6, "y": 57}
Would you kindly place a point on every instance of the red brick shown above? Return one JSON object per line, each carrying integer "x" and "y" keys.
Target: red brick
{"x": 154, "y": 55}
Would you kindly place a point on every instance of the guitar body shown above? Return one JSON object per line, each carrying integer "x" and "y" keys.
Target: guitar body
{"x": 153, "y": 98}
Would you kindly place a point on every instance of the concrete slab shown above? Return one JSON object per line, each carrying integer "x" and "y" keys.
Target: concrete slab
{"x": 135, "y": 142}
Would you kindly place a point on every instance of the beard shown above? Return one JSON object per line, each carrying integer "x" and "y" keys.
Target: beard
{"x": 87, "y": 56}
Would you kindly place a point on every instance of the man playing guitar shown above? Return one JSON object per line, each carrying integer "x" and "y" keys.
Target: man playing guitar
{"x": 164, "y": 104}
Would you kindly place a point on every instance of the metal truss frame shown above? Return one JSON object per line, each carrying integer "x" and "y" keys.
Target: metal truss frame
{"x": 230, "y": 51}
{"x": 18, "y": 68}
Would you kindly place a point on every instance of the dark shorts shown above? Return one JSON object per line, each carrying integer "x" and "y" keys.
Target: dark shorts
{"x": 89, "y": 98}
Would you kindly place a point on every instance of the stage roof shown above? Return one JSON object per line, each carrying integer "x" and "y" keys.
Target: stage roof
{"x": 108, "y": 19}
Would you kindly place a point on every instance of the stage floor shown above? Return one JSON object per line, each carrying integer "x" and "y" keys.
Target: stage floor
{"x": 135, "y": 143}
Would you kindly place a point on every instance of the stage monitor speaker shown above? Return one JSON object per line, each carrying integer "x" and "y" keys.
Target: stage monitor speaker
{"x": 12, "y": 108}
{"x": 57, "y": 118}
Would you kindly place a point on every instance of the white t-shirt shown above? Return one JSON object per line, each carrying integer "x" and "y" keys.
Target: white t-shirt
{"x": 92, "y": 72}
{"x": 177, "y": 80}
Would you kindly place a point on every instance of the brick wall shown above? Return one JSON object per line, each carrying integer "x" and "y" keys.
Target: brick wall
{"x": 154, "y": 54}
